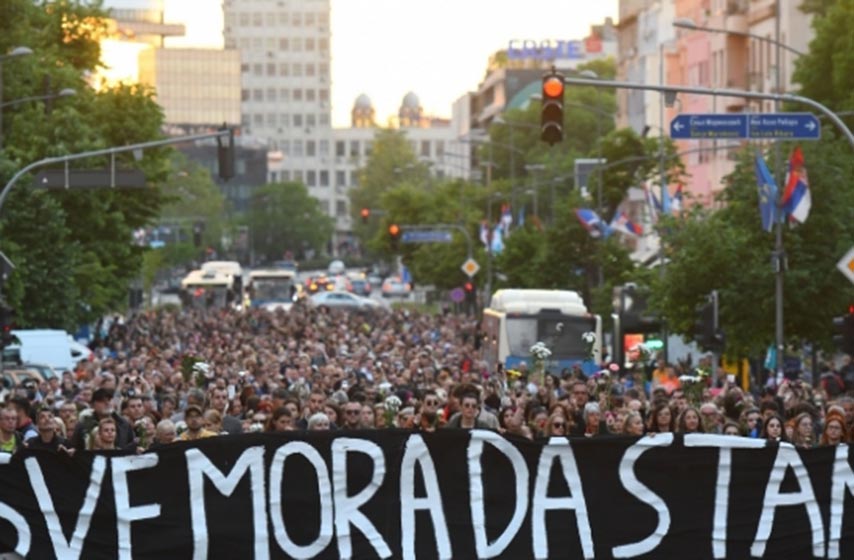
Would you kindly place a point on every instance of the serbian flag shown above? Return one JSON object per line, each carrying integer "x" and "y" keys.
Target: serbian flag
{"x": 622, "y": 224}
{"x": 676, "y": 204}
{"x": 652, "y": 202}
{"x": 484, "y": 234}
{"x": 796, "y": 198}
{"x": 590, "y": 220}
{"x": 767, "y": 193}
{"x": 506, "y": 218}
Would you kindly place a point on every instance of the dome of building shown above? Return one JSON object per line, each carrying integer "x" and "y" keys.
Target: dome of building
{"x": 410, "y": 100}
{"x": 363, "y": 102}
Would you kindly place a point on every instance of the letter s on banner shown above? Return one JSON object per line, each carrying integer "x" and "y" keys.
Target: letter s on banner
{"x": 642, "y": 492}
{"x": 277, "y": 471}
{"x": 199, "y": 467}
{"x": 416, "y": 453}
{"x": 520, "y": 471}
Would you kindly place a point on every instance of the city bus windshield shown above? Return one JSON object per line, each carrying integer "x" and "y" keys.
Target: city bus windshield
{"x": 272, "y": 289}
{"x": 560, "y": 333}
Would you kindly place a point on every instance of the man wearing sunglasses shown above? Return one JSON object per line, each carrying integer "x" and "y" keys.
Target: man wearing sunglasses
{"x": 468, "y": 417}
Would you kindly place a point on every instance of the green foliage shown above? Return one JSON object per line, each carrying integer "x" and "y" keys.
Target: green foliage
{"x": 72, "y": 250}
{"x": 285, "y": 217}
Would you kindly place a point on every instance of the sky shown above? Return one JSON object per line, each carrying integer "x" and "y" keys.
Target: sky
{"x": 438, "y": 49}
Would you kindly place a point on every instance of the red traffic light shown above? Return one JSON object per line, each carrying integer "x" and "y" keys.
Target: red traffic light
{"x": 553, "y": 86}
{"x": 468, "y": 286}
{"x": 394, "y": 230}
{"x": 365, "y": 213}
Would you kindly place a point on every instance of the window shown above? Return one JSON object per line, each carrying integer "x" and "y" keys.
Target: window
{"x": 285, "y": 146}
{"x": 296, "y": 19}
{"x": 257, "y": 43}
{"x": 354, "y": 148}
{"x": 258, "y": 119}
{"x": 283, "y": 44}
{"x": 271, "y": 94}
{"x": 244, "y": 43}
{"x": 323, "y": 95}
{"x": 258, "y": 94}
{"x": 323, "y": 70}
{"x": 323, "y": 44}
{"x": 271, "y": 120}
{"x": 324, "y": 119}
{"x": 311, "y": 178}
{"x": 270, "y": 19}
{"x": 296, "y": 45}
{"x": 245, "y": 120}
{"x": 270, "y": 43}
{"x": 354, "y": 178}
{"x": 440, "y": 148}
{"x": 309, "y": 69}
{"x": 310, "y": 95}
{"x": 310, "y": 120}
{"x": 284, "y": 69}
{"x": 297, "y": 95}
{"x": 309, "y": 44}
{"x": 244, "y": 68}
{"x": 284, "y": 18}
{"x": 285, "y": 94}
{"x": 324, "y": 206}
{"x": 425, "y": 148}
{"x": 298, "y": 151}
{"x": 244, "y": 95}
{"x": 324, "y": 178}
{"x": 340, "y": 148}
{"x": 271, "y": 68}
{"x": 284, "y": 120}
{"x": 323, "y": 148}
{"x": 309, "y": 19}
{"x": 310, "y": 148}
{"x": 341, "y": 208}
{"x": 257, "y": 19}
{"x": 297, "y": 120}
{"x": 297, "y": 69}
{"x": 369, "y": 147}
{"x": 298, "y": 175}
{"x": 323, "y": 18}
{"x": 257, "y": 69}
{"x": 340, "y": 178}
{"x": 244, "y": 19}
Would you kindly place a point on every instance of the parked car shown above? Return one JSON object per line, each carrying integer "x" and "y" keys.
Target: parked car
{"x": 393, "y": 286}
{"x": 342, "y": 300}
{"x": 319, "y": 283}
{"x": 359, "y": 284}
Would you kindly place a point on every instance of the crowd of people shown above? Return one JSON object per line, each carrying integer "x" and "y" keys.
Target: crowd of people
{"x": 161, "y": 376}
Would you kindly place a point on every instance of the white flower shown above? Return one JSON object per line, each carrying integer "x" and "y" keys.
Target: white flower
{"x": 603, "y": 373}
{"x": 540, "y": 351}
{"x": 204, "y": 369}
{"x": 688, "y": 379}
{"x": 392, "y": 403}
{"x": 589, "y": 337}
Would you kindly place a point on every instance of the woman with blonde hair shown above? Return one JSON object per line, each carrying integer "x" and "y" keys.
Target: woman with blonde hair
{"x": 802, "y": 431}
{"x": 557, "y": 425}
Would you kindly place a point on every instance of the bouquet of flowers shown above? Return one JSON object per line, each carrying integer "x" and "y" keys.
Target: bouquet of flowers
{"x": 589, "y": 339}
{"x": 604, "y": 382}
{"x": 540, "y": 353}
{"x": 391, "y": 406}
{"x": 139, "y": 430}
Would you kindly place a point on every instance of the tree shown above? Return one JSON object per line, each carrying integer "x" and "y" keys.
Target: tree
{"x": 283, "y": 217}
{"x": 84, "y": 267}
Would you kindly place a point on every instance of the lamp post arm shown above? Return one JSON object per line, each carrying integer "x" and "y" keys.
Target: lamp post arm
{"x": 31, "y": 98}
{"x": 105, "y": 151}
{"x": 743, "y": 34}
{"x": 723, "y": 92}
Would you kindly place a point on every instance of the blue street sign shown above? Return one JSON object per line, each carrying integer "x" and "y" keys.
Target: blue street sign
{"x": 718, "y": 126}
{"x": 426, "y": 236}
{"x": 784, "y": 126}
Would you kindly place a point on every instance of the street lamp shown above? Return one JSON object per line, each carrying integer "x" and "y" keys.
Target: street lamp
{"x": 14, "y": 53}
{"x": 688, "y": 23}
{"x": 65, "y": 92}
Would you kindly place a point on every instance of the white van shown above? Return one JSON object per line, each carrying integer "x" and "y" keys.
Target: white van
{"x": 55, "y": 348}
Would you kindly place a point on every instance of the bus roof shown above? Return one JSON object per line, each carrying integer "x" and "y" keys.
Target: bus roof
{"x": 206, "y": 278}
{"x": 272, "y": 273}
{"x": 536, "y": 301}
{"x": 227, "y": 267}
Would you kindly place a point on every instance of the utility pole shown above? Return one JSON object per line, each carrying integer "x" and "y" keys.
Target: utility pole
{"x": 779, "y": 255}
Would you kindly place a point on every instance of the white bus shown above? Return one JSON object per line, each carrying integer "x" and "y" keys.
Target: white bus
{"x": 272, "y": 288}
{"x": 518, "y": 319}
{"x": 208, "y": 290}
{"x": 229, "y": 268}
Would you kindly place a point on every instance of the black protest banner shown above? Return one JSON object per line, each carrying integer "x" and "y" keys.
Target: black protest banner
{"x": 453, "y": 494}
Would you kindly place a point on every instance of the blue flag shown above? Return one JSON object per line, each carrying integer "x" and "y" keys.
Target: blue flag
{"x": 767, "y": 193}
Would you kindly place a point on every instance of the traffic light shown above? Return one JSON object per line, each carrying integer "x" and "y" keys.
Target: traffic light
{"x": 365, "y": 213}
{"x": 843, "y": 329}
{"x": 707, "y": 332}
{"x": 551, "y": 116}
{"x": 225, "y": 154}
{"x": 7, "y": 324}
{"x": 634, "y": 316}
{"x": 394, "y": 236}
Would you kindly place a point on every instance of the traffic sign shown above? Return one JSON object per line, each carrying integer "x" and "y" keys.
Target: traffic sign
{"x": 717, "y": 126}
{"x": 89, "y": 178}
{"x": 470, "y": 267}
{"x": 458, "y": 295}
{"x": 846, "y": 265}
{"x": 426, "y": 236}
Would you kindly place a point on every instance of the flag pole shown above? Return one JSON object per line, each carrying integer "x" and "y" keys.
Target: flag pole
{"x": 779, "y": 255}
